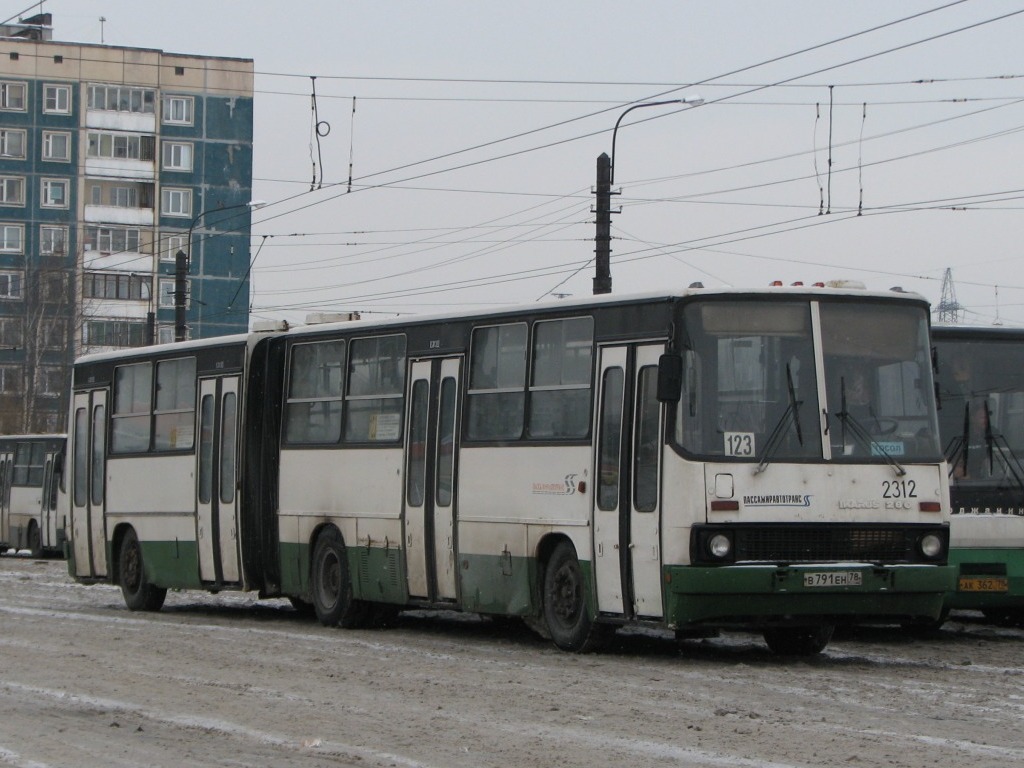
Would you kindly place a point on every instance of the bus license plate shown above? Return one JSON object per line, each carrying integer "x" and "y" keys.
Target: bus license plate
{"x": 984, "y": 584}
{"x": 832, "y": 579}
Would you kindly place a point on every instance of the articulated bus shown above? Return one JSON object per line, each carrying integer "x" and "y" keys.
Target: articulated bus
{"x": 31, "y": 468}
{"x": 981, "y": 420}
{"x": 764, "y": 459}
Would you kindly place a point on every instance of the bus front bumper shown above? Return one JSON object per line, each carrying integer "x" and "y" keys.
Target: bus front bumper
{"x": 765, "y": 595}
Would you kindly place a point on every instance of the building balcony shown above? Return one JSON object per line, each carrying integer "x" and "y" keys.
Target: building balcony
{"x": 111, "y": 214}
{"x": 107, "y": 167}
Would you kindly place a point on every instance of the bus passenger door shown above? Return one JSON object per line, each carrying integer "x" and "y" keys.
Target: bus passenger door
{"x": 627, "y": 509}
{"x": 216, "y": 523}
{"x": 6, "y": 470}
{"x": 88, "y": 480}
{"x": 431, "y": 452}
{"x": 48, "y": 522}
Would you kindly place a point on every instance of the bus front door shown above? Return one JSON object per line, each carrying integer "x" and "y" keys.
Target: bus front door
{"x": 216, "y": 505}
{"x": 431, "y": 453}
{"x": 627, "y": 474}
{"x": 88, "y": 477}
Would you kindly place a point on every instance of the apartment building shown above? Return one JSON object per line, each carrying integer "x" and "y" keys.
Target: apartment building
{"x": 112, "y": 160}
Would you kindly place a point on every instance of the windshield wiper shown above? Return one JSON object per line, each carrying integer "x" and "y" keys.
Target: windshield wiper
{"x": 790, "y": 415}
{"x": 861, "y": 435}
{"x": 996, "y": 442}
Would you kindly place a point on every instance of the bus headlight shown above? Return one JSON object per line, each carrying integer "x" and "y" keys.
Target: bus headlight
{"x": 720, "y": 546}
{"x": 932, "y": 546}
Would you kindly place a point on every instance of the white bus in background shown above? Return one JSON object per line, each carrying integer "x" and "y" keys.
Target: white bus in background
{"x": 981, "y": 418}
{"x": 31, "y": 469}
{"x": 704, "y": 459}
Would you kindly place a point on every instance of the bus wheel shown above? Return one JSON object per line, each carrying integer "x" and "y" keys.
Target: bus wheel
{"x": 139, "y": 594}
{"x": 332, "y": 586}
{"x": 798, "y": 641}
{"x": 565, "y": 603}
{"x": 35, "y": 546}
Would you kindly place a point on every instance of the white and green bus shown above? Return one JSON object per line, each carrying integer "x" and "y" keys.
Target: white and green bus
{"x": 981, "y": 419}
{"x": 712, "y": 458}
{"x": 31, "y": 468}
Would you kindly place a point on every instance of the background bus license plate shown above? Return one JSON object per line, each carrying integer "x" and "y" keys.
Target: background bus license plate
{"x": 832, "y": 579}
{"x": 984, "y": 584}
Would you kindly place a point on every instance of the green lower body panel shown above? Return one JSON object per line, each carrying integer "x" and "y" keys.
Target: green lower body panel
{"x": 770, "y": 594}
{"x": 988, "y": 580}
{"x": 502, "y": 584}
{"x": 295, "y": 559}
{"x": 378, "y": 574}
{"x": 170, "y": 564}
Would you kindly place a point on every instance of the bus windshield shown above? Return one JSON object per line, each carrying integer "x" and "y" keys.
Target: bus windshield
{"x": 751, "y": 374}
{"x": 981, "y": 418}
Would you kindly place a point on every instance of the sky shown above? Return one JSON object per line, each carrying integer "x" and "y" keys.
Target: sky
{"x": 456, "y": 154}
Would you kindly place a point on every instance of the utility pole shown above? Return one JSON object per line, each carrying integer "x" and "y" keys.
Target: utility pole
{"x": 603, "y": 236}
{"x": 180, "y": 290}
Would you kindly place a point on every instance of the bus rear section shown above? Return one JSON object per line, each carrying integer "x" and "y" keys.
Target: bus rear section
{"x": 804, "y": 483}
{"x": 154, "y": 470}
{"x": 981, "y": 419}
{"x": 31, "y": 471}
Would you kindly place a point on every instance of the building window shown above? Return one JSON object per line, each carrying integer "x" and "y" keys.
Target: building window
{"x": 167, "y": 293}
{"x": 55, "y": 193}
{"x": 53, "y": 241}
{"x": 121, "y": 98}
{"x": 178, "y": 110}
{"x": 177, "y": 156}
{"x": 51, "y": 381}
{"x": 12, "y": 190}
{"x": 12, "y": 96}
{"x": 57, "y": 99}
{"x": 123, "y": 197}
{"x": 171, "y": 244}
{"x": 54, "y": 287}
{"x": 10, "y": 379}
{"x": 123, "y": 286}
{"x": 56, "y": 146}
{"x": 176, "y": 202}
{"x": 113, "y": 333}
{"x": 11, "y": 332}
{"x": 120, "y": 146}
{"x": 10, "y": 285}
{"x": 112, "y": 239}
{"x": 11, "y": 238}
{"x": 165, "y": 334}
{"x": 12, "y": 143}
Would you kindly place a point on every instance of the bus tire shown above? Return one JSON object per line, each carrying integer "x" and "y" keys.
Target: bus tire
{"x": 565, "y": 603}
{"x": 798, "y": 641}
{"x": 139, "y": 594}
{"x": 332, "y": 584}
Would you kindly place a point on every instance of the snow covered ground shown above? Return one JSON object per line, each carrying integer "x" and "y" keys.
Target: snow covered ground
{"x": 227, "y": 680}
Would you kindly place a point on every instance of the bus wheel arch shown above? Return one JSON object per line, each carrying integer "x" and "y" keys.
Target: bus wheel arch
{"x": 330, "y": 582}
{"x": 564, "y": 603}
{"x": 138, "y": 593}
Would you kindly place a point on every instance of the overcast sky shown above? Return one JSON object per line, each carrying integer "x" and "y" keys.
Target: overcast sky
{"x": 870, "y": 140}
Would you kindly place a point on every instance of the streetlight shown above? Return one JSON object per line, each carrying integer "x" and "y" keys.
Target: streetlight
{"x": 183, "y": 261}
{"x": 603, "y": 192}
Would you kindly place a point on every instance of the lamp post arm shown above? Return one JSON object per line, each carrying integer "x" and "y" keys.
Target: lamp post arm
{"x": 615, "y": 130}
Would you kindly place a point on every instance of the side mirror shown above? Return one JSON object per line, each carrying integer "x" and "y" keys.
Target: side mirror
{"x": 670, "y": 378}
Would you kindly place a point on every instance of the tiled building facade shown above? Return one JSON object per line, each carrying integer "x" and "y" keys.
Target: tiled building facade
{"x": 109, "y": 157}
